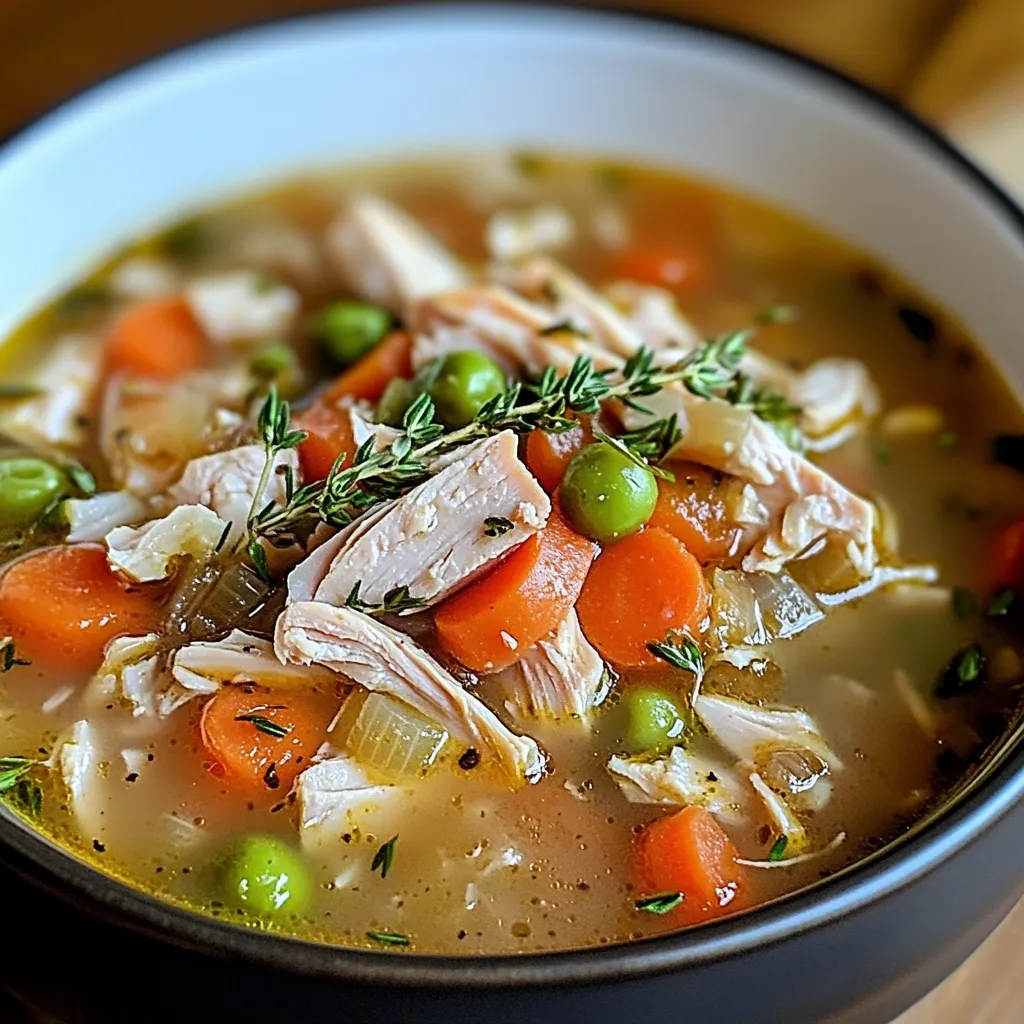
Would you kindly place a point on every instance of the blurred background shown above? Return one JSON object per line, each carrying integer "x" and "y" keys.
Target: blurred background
{"x": 960, "y": 63}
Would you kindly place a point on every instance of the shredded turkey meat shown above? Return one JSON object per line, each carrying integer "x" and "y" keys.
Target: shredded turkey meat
{"x": 384, "y": 660}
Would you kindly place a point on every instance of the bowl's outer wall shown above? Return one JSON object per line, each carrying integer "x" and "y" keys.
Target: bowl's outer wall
{"x": 862, "y": 969}
{"x": 237, "y": 111}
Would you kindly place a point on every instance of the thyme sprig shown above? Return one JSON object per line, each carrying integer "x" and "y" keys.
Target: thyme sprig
{"x": 382, "y": 474}
{"x": 13, "y": 770}
{"x": 395, "y": 601}
{"x": 680, "y": 652}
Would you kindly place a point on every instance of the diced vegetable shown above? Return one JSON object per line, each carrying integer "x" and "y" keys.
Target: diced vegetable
{"x": 28, "y": 487}
{"x": 827, "y": 569}
{"x": 348, "y": 330}
{"x": 1007, "y": 561}
{"x": 548, "y": 455}
{"x": 261, "y": 739}
{"x": 63, "y": 605}
{"x": 605, "y": 494}
{"x": 390, "y": 737}
{"x": 491, "y": 623}
{"x": 265, "y": 876}
{"x": 160, "y": 338}
{"x": 370, "y": 376}
{"x": 637, "y": 591}
{"x": 329, "y": 437}
{"x": 214, "y": 597}
{"x": 91, "y": 519}
{"x": 751, "y": 609}
{"x": 655, "y": 721}
{"x": 699, "y": 508}
{"x": 689, "y": 853}
{"x": 680, "y": 267}
{"x": 463, "y": 383}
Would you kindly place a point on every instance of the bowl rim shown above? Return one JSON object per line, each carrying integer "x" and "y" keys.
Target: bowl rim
{"x": 57, "y": 871}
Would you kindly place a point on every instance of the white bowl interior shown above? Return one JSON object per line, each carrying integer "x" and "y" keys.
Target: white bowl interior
{"x": 236, "y": 112}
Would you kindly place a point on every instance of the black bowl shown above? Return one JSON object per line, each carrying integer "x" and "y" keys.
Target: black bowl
{"x": 858, "y": 947}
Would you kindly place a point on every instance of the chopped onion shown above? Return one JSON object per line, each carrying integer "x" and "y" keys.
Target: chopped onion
{"x": 392, "y": 738}
{"x": 752, "y": 609}
{"x": 91, "y": 519}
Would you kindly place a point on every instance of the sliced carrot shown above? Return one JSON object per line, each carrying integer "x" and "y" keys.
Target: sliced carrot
{"x": 547, "y": 455}
{"x": 638, "y": 590}
{"x": 371, "y": 375}
{"x": 241, "y": 730}
{"x": 491, "y": 623}
{"x": 63, "y": 605}
{"x": 329, "y": 435}
{"x": 158, "y": 338}
{"x": 689, "y": 853}
{"x": 1007, "y": 560}
{"x": 677, "y": 266}
{"x": 696, "y": 508}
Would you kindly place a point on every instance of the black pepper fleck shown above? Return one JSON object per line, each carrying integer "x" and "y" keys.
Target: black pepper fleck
{"x": 270, "y": 777}
{"x": 919, "y": 325}
{"x": 98, "y": 846}
{"x": 131, "y": 777}
{"x": 469, "y": 760}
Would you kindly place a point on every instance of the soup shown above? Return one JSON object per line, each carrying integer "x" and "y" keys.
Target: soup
{"x": 495, "y": 556}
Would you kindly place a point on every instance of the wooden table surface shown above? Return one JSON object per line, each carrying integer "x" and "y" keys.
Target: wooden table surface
{"x": 51, "y": 48}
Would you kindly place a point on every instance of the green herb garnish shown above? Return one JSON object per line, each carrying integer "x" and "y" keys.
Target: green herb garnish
{"x": 13, "y": 392}
{"x": 883, "y": 452}
{"x": 563, "y": 327}
{"x": 965, "y": 604}
{"x": 81, "y": 478}
{"x": 653, "y": 442}
{"x": 634, "y": 454}
{"x": 388, "y": 938}
{"x": 396, "y": 601}
{"x": 660, "y": 904}
{"x": 948, "y": 440}
{"x": 1001, "y": 603}
{"x": 384, "y": 856}
{"x": 224, "y": 538}
{"x": 13, "y": 770}
{"x": 781, "y": 314}
{"x": 82, "y": 299}
{"x": 680, "y": 653}
{"x": 965, "y": 671}
{"x": 266, "y": 725}
{"x": 184, "y": 241}
{"x": 497, "y": 526}
{"x": 778, "y": 850}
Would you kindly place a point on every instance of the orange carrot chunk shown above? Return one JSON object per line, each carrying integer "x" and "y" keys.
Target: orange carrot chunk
{"x": 1007, "y": 561}
{"x": 638, "y": 590}
{"x": 261, "y": 740}
{"x": 695, "y": 510}
{"x": 63, "y": 605}
{"x": 677, "y": 266}
{"x": 158, "y": 338}
{"x": 689, "y": 853}
{"x": 372, "y": 374}
{"x": 490, "y": 624}
{"x": 329, "y": 435}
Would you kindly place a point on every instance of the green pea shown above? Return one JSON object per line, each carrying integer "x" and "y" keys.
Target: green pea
{"x": 274, "y": 361}
{"x": 348, "y": 330}
{"x": 607, "y": 495}
{"x": 464, "y": 383}
{"x": 28, "y": 487}
{"x": 655, "y": 721}
{"x": 266, "y": 876}
{"x": 397, "y": 397}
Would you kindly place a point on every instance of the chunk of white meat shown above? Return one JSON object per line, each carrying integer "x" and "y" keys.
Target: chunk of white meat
{"x": 514, "y": 234}
{"x": 241, "y": 306}
{"x": 147, "y": 553}
{"x": 386, "y": 661}
{"x": 653, "y": 313}
{"x": 832, "y": 394}
{"x": 541, "y": 279}
{"x": 799, "y": 503}
{"x": 91, "y": 519}
{"x": 241, "y": 658}
{"x": 751, "y": 733}
{"x": 280, "y": 247}
{"x": 782, "y": 818}
{"x": 432, "y": 540}
{"x": 76, "y": 756}
{"x": 384, "y": 256}
{"x": 680, "y": 778}
{"x": 226, "y": 482}
{"x": 58, "y": 416}
{"x": 561, "y": 676}
{"x": 141, "y": 277}
{"x": 336, "y": 798}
